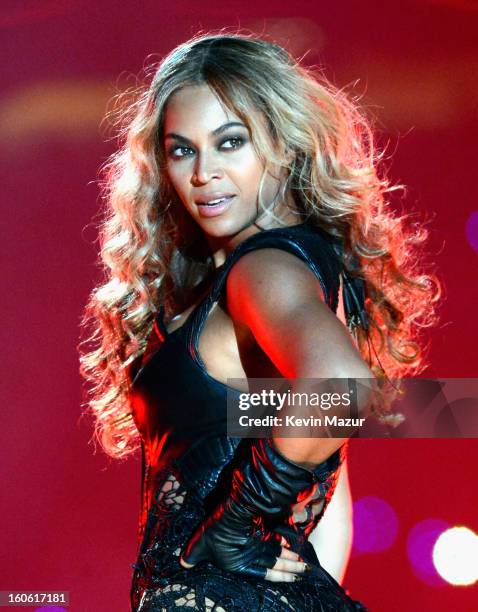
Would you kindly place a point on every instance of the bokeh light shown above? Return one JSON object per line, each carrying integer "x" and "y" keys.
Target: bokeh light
{"x": 375, "y": 525}
{"x": 455, "y": 556}
{"x": 420, "y": 542}
{"x": 471, "y": 230}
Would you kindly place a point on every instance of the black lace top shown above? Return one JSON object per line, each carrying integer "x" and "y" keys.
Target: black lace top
{"x": 187, "y": 457}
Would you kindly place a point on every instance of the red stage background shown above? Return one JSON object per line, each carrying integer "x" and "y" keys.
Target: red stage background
{"x": 69, "y": 518}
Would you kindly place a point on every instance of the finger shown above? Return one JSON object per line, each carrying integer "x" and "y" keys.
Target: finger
{"x": 288, "y": 565}
{"x": 184, "y": 564}
{"x": 279, "y": 576}
{"x": 289, "y": 554}
{"x": 282, "y": 559}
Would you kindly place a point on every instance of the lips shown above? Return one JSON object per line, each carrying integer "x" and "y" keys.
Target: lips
{"x": 215, "y": 206}
{"x": 214, "y": 199}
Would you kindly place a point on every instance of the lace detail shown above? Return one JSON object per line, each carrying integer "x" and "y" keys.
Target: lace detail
{"x": 307, "y": 514}
{"x": 168, "y": 494}
{"x": 160, "y": 583}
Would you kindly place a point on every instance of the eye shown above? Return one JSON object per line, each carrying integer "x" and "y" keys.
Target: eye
{"x": 178, "y": 152}
{"x": 235, "y": 142}
{"x": 228, "y": 144}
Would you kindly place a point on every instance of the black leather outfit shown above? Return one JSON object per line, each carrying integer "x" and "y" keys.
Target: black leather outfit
{"x": 187, "y": 458}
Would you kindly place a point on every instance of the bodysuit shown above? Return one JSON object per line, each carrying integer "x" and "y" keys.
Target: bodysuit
{"x": 187, "y": 456}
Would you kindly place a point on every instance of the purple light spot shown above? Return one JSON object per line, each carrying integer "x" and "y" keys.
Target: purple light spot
{"x": 50, "y": 609}
{"x": 375, "y": 525}
{"x": 420, "y": 542}
{"x": 471, "y": 230}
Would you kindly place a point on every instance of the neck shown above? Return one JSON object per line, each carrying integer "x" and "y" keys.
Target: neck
{"x": 223, "y": 246}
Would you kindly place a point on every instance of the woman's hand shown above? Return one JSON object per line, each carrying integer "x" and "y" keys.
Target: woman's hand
{"x": 236, "y": 536}
{"x": 259, "y": 554}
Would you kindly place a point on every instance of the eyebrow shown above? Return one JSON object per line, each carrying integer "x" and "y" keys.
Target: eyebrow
{"x": 215, "y": 132}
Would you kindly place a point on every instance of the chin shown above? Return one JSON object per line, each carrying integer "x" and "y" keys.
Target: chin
{"x": 218, "y": 227}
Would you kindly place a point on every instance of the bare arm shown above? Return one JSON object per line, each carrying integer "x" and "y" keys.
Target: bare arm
{"x": 332, "y": 538}
{"x": 280, "y": 300}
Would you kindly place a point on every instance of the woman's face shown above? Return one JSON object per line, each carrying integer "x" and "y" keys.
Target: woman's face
{"x": 212, "y": 164}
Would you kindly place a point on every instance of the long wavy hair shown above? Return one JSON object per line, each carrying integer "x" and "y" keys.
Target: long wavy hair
{"x": 152, "y": 253}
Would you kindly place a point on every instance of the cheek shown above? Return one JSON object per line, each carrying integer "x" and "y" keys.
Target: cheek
{"x": 247, "y": 170}
{"x": 178, "y": 178}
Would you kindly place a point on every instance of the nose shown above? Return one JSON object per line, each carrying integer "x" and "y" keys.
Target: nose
{"x": 205, "y": 169}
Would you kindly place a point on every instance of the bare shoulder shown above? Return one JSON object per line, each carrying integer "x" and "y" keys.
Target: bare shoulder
{"x": 272, "y": 275}
{"x": 280, "y": 300}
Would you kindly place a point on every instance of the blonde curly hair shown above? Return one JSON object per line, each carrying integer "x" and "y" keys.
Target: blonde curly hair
{"x": 152, "y": 254}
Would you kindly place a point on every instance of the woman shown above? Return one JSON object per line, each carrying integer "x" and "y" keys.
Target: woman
{"x": 247, "y": 236}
